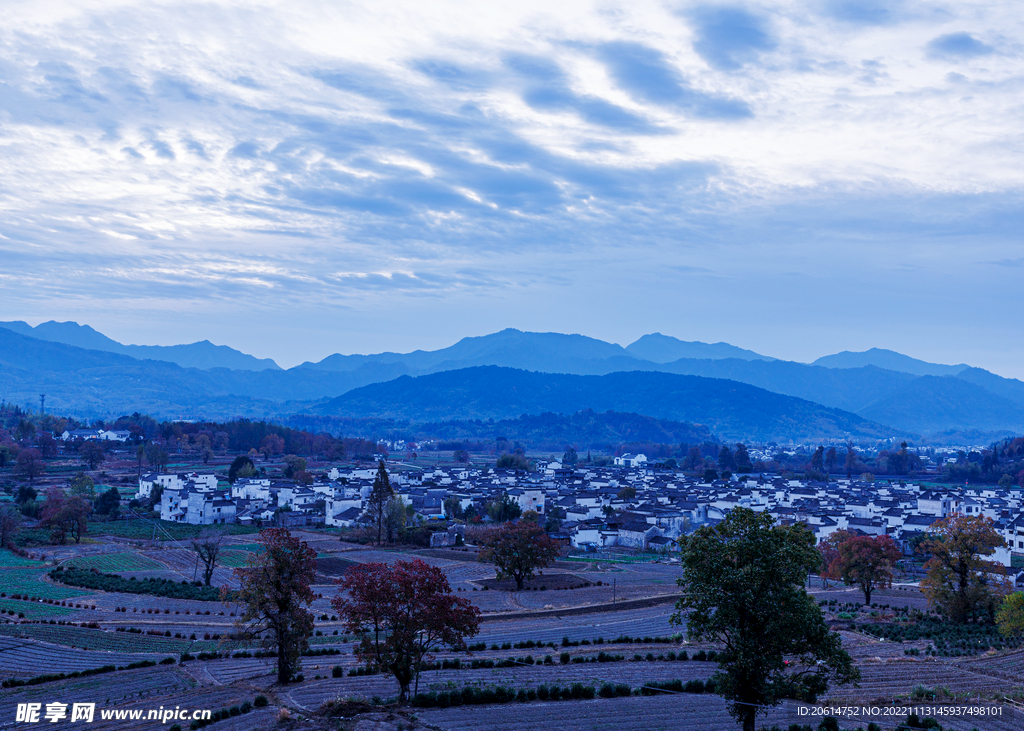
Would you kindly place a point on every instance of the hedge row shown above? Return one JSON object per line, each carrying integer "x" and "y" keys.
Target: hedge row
{"x": 50, "y": 677}
{"x": 472, "y": 695}
{"x": 91, "y": 579}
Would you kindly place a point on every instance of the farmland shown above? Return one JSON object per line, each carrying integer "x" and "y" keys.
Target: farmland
{"x": 524, "y": 635}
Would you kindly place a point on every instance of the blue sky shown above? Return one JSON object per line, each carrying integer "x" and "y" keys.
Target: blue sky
{"x": 296, "y": 179}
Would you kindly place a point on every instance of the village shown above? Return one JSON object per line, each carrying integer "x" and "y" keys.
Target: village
{"x": 628, "y": 505}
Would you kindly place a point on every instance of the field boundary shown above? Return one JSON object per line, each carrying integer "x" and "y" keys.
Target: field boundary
{"x": 651, "y": 601}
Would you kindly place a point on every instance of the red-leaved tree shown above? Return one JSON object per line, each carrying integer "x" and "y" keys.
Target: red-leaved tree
{"x": 274, "y": 593}
{"x": 866, "y": 561}
{"x": 518, "y": 549}
{"x": 402, "y": 613}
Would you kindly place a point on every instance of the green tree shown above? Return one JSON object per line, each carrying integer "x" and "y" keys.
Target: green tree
{"x": 514, "y": 462}
{"x": 108, "y": 503}
{"x": 293, "y": 465}
{"x": 626, "y": 493}
{"x": 83, "y": 485}
{"x": 1010, "y": 616}
{"x": 818, "y": 459}
{"x": 851, "y": 460}
{"x": 725, "y": 459}
{"x": 377, "y": 502}
{"x": 157, "y": 457}
{"x": 395, "y": 518}
{"x": 452, "y": 507}
{"x": 742, "y": 586}
{"x": 242, "y": 463}
{"x": 274, "y": 591}
{"x": 867, "y": 562}
{"x": 504, "y": 509}
{"x": 959, "y": 582}
{"x": 741, "y": 459}
{"x": 517, "y": 550}
{"x": 570, "y": 458}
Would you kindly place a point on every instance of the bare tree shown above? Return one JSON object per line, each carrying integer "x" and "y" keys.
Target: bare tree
{"x": 207, "y": 548}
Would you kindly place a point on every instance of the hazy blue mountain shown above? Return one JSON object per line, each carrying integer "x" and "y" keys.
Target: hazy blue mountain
{"x": 730, "y": 409}
{"x": 513, "y": 348}
{"x": 659, "y": 348}
{"x": 1008, "y": 388}
{"x": 586, "y": 429}
{"x": 890, "y": 360}
{"x": 922, "y": 403}
{"x": 202, "y": 354}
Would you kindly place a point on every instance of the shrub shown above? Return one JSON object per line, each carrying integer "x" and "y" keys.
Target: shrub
{"x": 259, "y": 701}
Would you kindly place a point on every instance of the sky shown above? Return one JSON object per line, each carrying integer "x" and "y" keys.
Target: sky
{"x": 296, "y": 178}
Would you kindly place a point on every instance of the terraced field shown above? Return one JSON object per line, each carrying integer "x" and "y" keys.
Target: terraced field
{"x": 93, "y": 639}
{"x": 33, "y": 610}
{"x": 116, "y": 563}
{"x": 9, "y": 560}
{"x": 26, "y": 658}
{"x": 883, "y": 682}
{"x": 32, "y": 582}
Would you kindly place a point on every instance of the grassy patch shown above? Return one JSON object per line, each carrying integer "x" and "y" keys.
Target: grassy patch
{"x": 33, "y": 610}
{"x": 143, "y": 529}
{"x": 117, "y": 562}
{"x": 28, "y": 582}
{"x": 11, "y": 560}
{"x": 232, "y": 558}
{"x": 94, "y": 639}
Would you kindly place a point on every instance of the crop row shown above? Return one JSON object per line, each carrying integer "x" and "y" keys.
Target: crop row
{"x": 116, "y": 562}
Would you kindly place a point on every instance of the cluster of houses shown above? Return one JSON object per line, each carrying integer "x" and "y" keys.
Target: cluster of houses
{"x": 102, "y": 435}
{"x": 590, "y": 508}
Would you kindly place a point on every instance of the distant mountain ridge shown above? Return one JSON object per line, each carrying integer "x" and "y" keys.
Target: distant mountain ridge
{"x": 890, "y": 360}
{"x": 98, "y": 382}
{"x": 730, "y": 409}
{"x": 202, "y": 354}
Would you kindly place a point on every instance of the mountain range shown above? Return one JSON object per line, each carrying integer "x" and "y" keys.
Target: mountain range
{"x": 86, "y": 373}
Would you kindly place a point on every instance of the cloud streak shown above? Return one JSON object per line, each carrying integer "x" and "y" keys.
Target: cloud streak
{"x": 337, "y": 160}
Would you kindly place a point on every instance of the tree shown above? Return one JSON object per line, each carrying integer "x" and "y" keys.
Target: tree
{"x": 91, "y": 452}
{"x": 395, "y": 518}
{"x": 461, "y": 456}
{"x": 380, "y": 496}
{"x": 65, "y": 515}
{"x": 517, "y": 550}
{"x": 694, "y": 459}
{"x": 82, "y": 484}
{"x": 514, "y": 462}
{"x": 831, "y": 459}
{"x": 851, "y": 460}
{"x": 828, "y": 548}
{"x": 743, "y": 587}
{"x": 25, "y": 494}
{"x": 818, "y": 459}
{"x": 1010, "y": 616}
{"x": 725, "y": 460}
{"x": 400, "y": 614}
{"x": 452, "y": 507}
{"x": 274, "y": 592}
{"x": 570, "y": 457}
{"x": 741, "y": 459}
{"x": 207, "y": 548}
{"x": 626, "y": 493}
{"x": 157, "y": 457}
{"x": 959, "y": 582}
{"x": 271, "y": 444}
{"x": 293, "y": 464}
{"x": 47, "y": 444}
{"x": 504, "y": 510}
{"x": 29, "y": 464}
{"x": 108, "y": 503}
{"x": 10, "y": 524}
{"x": 241, "y": 463}
{"x": 866, "y": 561}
